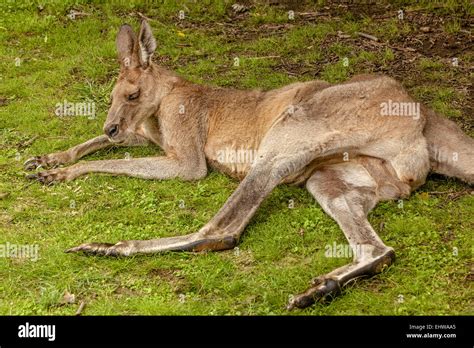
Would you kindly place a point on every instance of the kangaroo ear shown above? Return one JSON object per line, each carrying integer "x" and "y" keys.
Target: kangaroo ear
{"x": 146, "y": 43}
{"x": 125, "y": 43}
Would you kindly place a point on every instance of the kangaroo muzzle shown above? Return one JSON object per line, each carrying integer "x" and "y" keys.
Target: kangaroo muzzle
{"x": 112, "y": 130}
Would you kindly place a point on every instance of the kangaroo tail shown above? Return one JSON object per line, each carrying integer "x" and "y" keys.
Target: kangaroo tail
{"x": 451, "y": 151}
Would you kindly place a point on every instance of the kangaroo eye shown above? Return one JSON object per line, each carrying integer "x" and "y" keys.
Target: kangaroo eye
{"x": 134, "y": 95}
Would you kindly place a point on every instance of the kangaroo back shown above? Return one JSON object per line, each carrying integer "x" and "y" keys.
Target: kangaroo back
{"x": 451, "y": 151}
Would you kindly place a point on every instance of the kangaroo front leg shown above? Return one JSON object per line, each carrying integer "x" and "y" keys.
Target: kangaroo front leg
{"x": 347, "y": 192}
{"x": 74, "y": 153}
{"x": 71, "y": 155}
{"x": 145, "y": 168}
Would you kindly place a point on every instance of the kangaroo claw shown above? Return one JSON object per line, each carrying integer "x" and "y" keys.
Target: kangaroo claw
{"x": 32, "y": 163}
{"x": 315, "y": 293}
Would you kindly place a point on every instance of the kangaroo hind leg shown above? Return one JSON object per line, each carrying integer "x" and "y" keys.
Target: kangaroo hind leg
{"x": 347, "y": 192}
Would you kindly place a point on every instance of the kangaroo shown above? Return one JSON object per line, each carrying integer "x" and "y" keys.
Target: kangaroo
{"x": 336, "y": 139}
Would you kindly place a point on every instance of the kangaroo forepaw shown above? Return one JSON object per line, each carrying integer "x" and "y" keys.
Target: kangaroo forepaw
{"x": 49, "y": 177}
{"x": 124, "y": 248}
{"x": 320, "y": 289}
{"x": 45, "y": 161}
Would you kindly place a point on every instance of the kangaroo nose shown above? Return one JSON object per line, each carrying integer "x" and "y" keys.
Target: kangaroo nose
{"x": 112, "y": 130}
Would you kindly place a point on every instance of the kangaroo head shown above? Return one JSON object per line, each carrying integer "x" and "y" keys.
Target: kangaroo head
{"x": 141, "y": 84}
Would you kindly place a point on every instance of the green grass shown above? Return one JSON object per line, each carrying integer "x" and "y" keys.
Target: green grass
{"x": 283, "y": 248}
